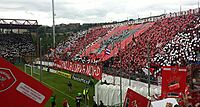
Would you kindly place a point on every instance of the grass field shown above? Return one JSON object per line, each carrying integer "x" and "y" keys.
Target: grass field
{"x": 58, "y": 84}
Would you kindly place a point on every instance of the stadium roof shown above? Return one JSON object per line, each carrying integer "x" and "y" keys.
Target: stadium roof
{"x": 18, "y": 24}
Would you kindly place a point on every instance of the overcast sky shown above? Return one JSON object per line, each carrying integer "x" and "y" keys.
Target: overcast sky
{"x": 87, "y": 11}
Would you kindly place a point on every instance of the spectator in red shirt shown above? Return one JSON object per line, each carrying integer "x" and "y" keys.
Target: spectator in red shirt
{"x": 65, "y": 103}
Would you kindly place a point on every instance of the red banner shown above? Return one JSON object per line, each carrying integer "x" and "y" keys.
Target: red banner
{"x": 86, "y": 69}
{"x": 18, "y": 89}
{"x": 133, "y": 99}
{"x": 173, "y": 81}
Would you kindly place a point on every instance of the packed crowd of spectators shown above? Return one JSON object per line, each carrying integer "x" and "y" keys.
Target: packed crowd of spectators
{"x": 90, "y": 37}
{"x": 78, "y": 43}
{"x": 63, "y": 47}
{"x": 15, "y": 45}
{"x": 69, "y": 43}
{"x": 133, "y": 60}
{"x": 183, "y": 49}
{"x": 172, "y": 40}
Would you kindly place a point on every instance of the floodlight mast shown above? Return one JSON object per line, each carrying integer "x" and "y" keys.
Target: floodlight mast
{"x": 53, "y": 33}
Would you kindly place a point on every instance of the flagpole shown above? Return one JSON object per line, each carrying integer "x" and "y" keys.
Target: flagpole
{"x": 164, "y": 11}
{"x": 150, "y": 16}
{"x": 198, "y": 7}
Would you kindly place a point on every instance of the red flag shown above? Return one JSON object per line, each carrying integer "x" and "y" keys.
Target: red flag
{"x": 173, "y": 81}
{"x": 133, "y": 99}
{"x": 18, "y": 89}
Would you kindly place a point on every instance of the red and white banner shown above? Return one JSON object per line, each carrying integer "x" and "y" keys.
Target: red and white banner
{"x": 18, "y": 89}
{"x": 86, "y": 69}
{"x": 173, "y": 81}
{"x": 133, "y": 99}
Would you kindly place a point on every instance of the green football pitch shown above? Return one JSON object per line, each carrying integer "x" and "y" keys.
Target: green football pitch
{"x": 58, "y": 84}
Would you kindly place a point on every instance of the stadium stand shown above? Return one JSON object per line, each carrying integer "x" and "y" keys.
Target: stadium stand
{"x": 77, "y": 44}
{"x": 15, "y": 45}
{"x": 156, "y": 36}
{"x": 183, "y": 49}
{"x": 173, "y": 39}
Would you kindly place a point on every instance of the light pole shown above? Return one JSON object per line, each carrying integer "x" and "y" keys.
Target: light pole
{"x": 129, "y": 66}
{"x": 120, "y": 85}
{"x": 120, "y": 71}
{"x": 40, "y": 60}
{"x": 48, "y": 52}
{"x": 148, "y": 61}
{"x": 31, "y": 63}
{"x": 180, "y": 6}
{"x": 53, "y": 33}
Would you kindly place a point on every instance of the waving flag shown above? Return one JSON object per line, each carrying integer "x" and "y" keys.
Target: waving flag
{"x": 134, "y": 99}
